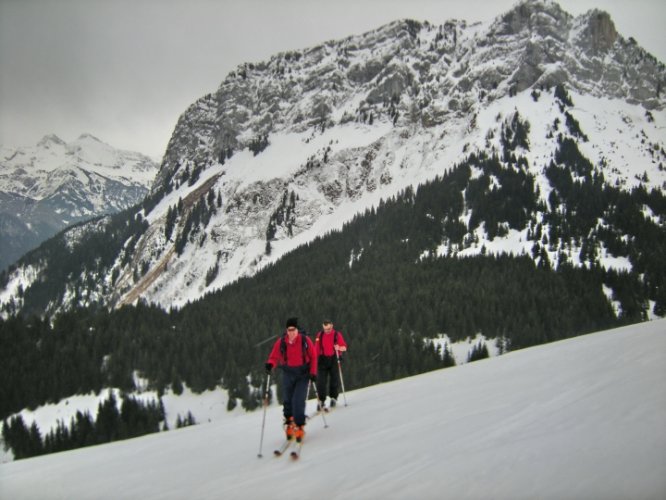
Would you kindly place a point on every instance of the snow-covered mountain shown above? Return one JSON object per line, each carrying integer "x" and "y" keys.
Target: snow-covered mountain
{"x": 54, "y": 184}
{"x": 288, "y": 149}
{"x": 580, "y": 418}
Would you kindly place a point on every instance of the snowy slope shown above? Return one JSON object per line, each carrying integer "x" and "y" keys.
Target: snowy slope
{"x": 581, "y": 418}
{"x": 208, "y": 406}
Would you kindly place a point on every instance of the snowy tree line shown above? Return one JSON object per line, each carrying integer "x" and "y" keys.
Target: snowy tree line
{"x": 135, "y": 418}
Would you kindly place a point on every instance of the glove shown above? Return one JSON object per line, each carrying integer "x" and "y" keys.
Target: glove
{"x": 269, "y": 367}
{"x": 313, "y": 378}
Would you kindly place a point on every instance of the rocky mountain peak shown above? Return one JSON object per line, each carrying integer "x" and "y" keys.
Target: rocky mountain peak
{"x": 86, "y": 137}
{"x": 411, "y": 69}
{"x": 51, "y": 139}
{"x": 599, "y": 33}
{"x": 544, "y": 17}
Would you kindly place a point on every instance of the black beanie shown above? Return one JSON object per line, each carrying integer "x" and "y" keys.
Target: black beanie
{"x": 292, "y": 322}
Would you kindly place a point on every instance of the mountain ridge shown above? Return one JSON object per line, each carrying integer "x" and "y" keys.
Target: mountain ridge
{"x": 300, "y": 143}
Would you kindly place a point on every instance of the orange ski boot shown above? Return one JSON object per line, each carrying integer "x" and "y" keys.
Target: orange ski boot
{"x": 299, "y": 433}
{"x": 289, "y": 427}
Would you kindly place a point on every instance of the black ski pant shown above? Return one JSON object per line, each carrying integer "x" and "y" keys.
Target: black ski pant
{"x": 295, "y": 383}
{"x": 328, "y": 378}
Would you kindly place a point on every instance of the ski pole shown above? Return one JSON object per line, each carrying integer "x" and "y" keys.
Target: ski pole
{"x": 342, "y": 381}
{"x": 317, "y": 396}
{"x": 263, "y": 422}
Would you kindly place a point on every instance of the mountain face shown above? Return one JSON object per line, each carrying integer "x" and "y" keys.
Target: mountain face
{"x": 291, "y": 148}
{"x": 55, "y": 184}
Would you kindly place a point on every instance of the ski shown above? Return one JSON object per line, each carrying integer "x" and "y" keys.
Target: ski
{"x": 315, "y": 414}
{"x": 296, "y": 452}
{"x": 283, "y": 448}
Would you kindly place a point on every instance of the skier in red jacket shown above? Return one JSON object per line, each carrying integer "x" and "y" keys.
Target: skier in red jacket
{"x": 329, "y": 343}
{"x": 295, "y": 353}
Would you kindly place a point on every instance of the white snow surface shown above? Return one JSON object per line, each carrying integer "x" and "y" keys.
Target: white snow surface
{"x": 583, "y": 418}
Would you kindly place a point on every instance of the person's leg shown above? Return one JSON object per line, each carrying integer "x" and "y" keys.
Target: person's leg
{"x": 321, "y": 383}
{"x": 288, "y": 386}
{"x": 298, "y": 399}
{"x": 335, "y": 382}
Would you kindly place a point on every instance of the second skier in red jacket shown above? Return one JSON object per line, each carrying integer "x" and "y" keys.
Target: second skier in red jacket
{"x": 329, "y": 343}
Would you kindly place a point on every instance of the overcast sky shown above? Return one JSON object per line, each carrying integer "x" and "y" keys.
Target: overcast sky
{"x": 124, "y": 70}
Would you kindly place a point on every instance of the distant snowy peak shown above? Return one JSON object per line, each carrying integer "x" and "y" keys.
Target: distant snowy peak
{"x": 26, "y": 170}
{"x": 51, "y": 140}
{"x": 48, "y": 186}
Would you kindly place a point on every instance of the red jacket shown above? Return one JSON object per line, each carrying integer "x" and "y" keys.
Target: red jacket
{"x": 294, "y": 353}
{"x": 324, "y": 342}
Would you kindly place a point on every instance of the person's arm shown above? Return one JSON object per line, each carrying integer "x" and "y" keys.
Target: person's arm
{"x": 274, "y": 356}
{"x": 317, "y": 345}
{"x": 314, "y": 358}
{"x": 341, "y": 346}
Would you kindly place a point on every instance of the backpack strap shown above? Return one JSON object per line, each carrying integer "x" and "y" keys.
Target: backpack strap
{"x": 320, "y": 335}
{"x": 283, "y": 347}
